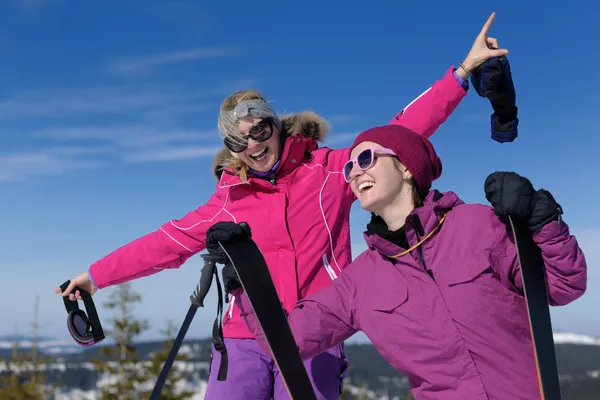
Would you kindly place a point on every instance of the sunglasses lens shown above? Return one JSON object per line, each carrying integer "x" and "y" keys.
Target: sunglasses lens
{"x": 79, "y": 325}
{"x": 235, "y": 145}
{"x": 261, "y": 131}
{"x": 347, "y": 170}
{"x": 365, "y": 159}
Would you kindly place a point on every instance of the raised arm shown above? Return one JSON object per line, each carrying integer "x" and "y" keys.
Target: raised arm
{"x": 432, "y": 108}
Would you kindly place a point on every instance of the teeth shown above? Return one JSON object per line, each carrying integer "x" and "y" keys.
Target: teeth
{"x": 365, "y": 185}
{"x": 258, "y": 153}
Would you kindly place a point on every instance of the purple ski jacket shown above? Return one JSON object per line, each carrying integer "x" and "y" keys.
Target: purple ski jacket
{"x": 461, "y": 334}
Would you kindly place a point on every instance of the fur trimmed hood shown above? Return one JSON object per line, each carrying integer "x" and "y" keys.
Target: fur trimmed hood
{"x": 306, "y": 123}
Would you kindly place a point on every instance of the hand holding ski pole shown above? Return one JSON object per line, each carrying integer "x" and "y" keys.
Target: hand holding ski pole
{"x": 513, "y": 195}
{"x": 226, "y": 232}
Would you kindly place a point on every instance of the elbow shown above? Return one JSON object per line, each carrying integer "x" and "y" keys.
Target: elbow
{"x": 565, "y": 297}
{"x": 567, "y": 292}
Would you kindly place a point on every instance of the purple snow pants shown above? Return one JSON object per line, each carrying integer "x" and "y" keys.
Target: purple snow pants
{"x": 252, "y": 375}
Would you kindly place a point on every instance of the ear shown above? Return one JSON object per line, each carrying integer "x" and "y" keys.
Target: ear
{"x": 406, "y": 175}
{"x": 234, "y": 155}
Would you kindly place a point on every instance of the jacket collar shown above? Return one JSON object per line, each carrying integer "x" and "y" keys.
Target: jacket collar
{"x": 296, "y": 150}
{"x": 421, "y": 221}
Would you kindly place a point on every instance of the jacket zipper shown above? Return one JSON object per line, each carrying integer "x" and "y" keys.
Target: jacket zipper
{"x": 273, "y": 179}
{"x": 420, "y": 251}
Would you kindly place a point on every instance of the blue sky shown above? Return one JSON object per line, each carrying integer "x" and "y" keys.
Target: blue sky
{"x": 108, "y": 120}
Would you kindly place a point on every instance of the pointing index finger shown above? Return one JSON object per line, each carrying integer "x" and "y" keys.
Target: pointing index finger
{"x": 488, "y": 24}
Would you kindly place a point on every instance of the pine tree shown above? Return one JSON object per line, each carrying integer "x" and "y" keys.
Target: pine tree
{"x": 408, "y": 396}
{"x": 26, "y": 379}
{"x": 170, "y": 390}
{"x": 120, "y": 360}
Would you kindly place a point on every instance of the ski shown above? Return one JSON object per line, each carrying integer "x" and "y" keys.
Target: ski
{"x": 536, "y": 296}
{"x": 258, "y": 285}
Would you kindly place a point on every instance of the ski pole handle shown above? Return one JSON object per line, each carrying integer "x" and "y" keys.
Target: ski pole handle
{"x": 206, "y": 278}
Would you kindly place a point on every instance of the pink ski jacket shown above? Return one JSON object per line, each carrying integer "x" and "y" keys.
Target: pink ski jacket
{"x": 460, "y": 332}
{"x": 299, "y": 219}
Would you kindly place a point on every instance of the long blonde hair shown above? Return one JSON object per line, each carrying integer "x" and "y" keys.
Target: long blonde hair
{"x": 229, "y": 104}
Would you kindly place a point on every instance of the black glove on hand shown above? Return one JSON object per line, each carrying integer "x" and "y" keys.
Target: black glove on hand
{"x": 514, "y": 195}
{"x": 226, "y": 232}
{"x": 545, "y": 210}
{"x": 509, "y": 194}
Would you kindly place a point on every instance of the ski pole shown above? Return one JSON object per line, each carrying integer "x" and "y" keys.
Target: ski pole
{"x": 197, "y": 300}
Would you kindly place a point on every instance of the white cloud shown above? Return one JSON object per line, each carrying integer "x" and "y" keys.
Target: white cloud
{"x": 126, "y": 136}
{"x": 40, "y": 126}
{"x": 138, "y": 65}
{"x": 125, "y": 100}
{"x": 341, "y": 138}
{"x": 344, "y": 118}
{"x": 66, "y": 102}
{"x": 19, "y": 166}
{"x": 177, "y": 153}
{"x": 95, "y": 147}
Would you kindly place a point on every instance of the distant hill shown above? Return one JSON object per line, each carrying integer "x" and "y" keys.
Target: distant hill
{"x": 578, "y": 359}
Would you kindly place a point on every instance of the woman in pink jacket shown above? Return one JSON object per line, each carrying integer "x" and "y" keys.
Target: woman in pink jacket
{"x": 439, "y": 290}
{"x": 274, "y": 175}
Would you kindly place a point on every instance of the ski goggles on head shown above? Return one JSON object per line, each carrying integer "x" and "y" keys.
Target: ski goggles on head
{"x": 86, "y": 330}
{"x": 260, "y": 132}
{"x": 364, "y": 160}
{"x": 255, "y": 108}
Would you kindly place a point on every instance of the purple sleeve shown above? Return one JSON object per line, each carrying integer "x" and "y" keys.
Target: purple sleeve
{"x": 566, "y": 268}
{"x": 319, "y": 322}
{"x": 90, "y": 276}
{"x": 461, "y": 81}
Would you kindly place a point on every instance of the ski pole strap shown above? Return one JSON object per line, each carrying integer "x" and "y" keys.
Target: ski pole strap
{"x": 217, "y": 333}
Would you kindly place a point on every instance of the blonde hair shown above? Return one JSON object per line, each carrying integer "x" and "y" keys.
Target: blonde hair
{"x": 229, "y": 104}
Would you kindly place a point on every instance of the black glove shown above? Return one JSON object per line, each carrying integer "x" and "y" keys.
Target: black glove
{"x": 514, "y": 195}
{"x": 226, "y": 232}
{"x": 493, "y": 80}
{"x": 545, "y": 210}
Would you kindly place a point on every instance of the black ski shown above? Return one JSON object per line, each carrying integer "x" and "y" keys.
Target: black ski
{"x": 254, "y": 276}
{"x": 536, "y": 296}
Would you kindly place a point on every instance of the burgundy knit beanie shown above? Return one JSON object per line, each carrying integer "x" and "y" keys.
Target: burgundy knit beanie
{"x": 413, "y": 150}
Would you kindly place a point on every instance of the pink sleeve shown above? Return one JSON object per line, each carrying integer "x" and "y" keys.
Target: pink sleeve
{"x": 566, "y": 268}
{"x": 318, "y": 322}
{"x": 423, "y": 115}
{"x": 432, "y": 108}
{"x": 168, "y": 247}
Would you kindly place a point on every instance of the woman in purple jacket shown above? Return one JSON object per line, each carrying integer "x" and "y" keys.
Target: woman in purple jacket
{"x": 439, "y": 290}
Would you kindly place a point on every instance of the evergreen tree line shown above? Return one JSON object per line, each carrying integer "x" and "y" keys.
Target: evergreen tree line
{"x": 124, "y": 376}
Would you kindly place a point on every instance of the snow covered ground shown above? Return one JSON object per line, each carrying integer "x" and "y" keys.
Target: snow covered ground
{"x": 58, "y": 347}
